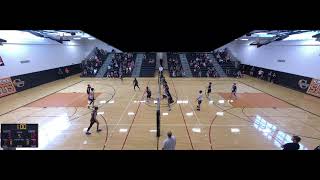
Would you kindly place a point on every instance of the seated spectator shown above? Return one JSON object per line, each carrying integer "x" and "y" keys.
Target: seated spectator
{"x": 151, "y": 61}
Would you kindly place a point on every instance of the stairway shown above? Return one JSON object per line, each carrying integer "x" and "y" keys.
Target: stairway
{"x": 148, "y": 69}
{"x": 162, "y": 55}
{"x": 104, "y": 67}
{"x": 137, "y": 66}
{"x": 185, "y": 65}
{"x": 217, "y": 66}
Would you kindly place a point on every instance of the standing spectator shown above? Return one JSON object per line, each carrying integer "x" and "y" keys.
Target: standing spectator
{"x": 239, "y": 75}
{"x": 252, "y": 71}
{"x": 60, "y": 73}
{"x": 66, "y": 71}
{"x": 273, "y": 78}
{"x": 170, "y": 142}
{"x": 260, "y": 74}
{"x": 294, "y": 145}
{"x": 269, "y": 76}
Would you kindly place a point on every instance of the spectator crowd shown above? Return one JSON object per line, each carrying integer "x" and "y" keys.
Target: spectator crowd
{"x": 121, "y": 65}
{"x": 201, "y": 65}
{"x": 175, "y": 67}
{"x": 222, "y": 55}
{"x": 91, "y": 65}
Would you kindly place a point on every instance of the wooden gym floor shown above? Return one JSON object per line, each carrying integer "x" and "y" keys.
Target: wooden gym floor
{"x": 262, "y": 118}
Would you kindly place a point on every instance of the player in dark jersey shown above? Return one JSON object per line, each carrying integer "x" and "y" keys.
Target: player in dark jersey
{"x": 135, "y": 84}
{"x": 170, "y": 100}
{"x": 91, "y": 97}
{"x": 148, "y": 91}
{"x": 93, "y": 120}
{"x": 233, "y": 90}
{"x": 88, "y": 89}
{"x": 209, "y": 90}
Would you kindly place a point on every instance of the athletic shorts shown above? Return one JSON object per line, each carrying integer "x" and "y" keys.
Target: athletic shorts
{"x": 209, "y": 91}
{"x": 199, "y": 102}
{"x": 93, "y": 120}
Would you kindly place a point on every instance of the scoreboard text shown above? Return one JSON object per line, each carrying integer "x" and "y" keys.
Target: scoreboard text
{"x": 19, "y": 135}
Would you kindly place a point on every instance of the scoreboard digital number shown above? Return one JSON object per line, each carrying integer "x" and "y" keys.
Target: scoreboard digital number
{"x": 19, "y": 135}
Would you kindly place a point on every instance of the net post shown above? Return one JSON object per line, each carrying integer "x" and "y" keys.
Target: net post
{"x": 158, "y": 107}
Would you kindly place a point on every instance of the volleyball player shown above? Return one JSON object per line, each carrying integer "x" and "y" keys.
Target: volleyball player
{"x": 148, "y": 91}
{"x": 88, "y": 89}
{"x": 170, "y": 100}
{"x": 93, "y": 120}
{"x": 209, "y": 90}
{"x": 135, "y": 84}
{"x": 91, "y": 97}
{"x": 233, "y": 91}
{"x": 199, "y": 99}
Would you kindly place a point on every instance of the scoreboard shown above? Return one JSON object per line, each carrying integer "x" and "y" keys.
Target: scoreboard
{"x": 19, "y": 136}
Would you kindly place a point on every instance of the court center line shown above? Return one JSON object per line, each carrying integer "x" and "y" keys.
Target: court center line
{"x": 183, "y": 116}
{"x": 135, "y": 115}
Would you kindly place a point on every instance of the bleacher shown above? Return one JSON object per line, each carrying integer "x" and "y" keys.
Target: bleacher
{"x": 173, "y": 66}
{"x": 191, "y": 56}
{"x": 89, "y": 64}
{"x": 123, "y": 63}
{"x": 148, "y": 69}
{"x": 229, "y": 68}
{"x": 224, "y": 59}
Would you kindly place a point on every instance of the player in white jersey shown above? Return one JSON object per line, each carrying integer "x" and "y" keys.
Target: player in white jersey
{"x": 91, "y": 97}
{"x": 199, "y": 99}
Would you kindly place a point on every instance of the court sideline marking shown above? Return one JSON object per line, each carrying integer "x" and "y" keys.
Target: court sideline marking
{"x": 280, "y": 99}
{"x": 41, "y": 97}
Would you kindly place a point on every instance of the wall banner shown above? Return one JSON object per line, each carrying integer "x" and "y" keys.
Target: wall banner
{"x": 6, "y": 87}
